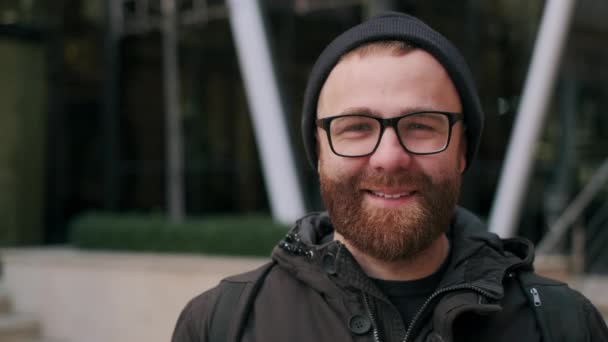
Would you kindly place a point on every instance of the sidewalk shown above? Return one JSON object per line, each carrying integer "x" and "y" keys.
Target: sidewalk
{"x": 110, "y": 296}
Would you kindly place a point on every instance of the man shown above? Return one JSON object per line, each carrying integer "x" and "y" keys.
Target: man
{"x": 391, "y": 121}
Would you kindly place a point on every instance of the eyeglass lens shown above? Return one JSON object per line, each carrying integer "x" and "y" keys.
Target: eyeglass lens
{"x": 355, "y": 135}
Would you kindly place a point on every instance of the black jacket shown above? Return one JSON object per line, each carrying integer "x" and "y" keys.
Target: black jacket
{"x": 317, "y": 292}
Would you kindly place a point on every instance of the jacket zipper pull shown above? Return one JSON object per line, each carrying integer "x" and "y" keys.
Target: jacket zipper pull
{"x": 536, "y": 297}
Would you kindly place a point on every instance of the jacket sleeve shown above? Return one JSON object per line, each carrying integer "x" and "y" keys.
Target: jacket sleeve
{"x": 597, "y": 329}
{"x": 193, "y": 322}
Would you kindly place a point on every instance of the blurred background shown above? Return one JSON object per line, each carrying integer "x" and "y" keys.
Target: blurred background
{"x": 84, "y": 105}
{"x": 134, "y": 108}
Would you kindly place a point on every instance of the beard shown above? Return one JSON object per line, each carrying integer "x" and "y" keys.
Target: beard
{"x": 391, "y": 234}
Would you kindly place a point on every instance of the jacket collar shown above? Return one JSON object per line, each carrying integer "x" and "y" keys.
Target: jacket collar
{"x": 478, "y": 258}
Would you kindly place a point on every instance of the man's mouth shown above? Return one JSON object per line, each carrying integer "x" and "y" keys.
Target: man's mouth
{"x": 391, "y": 195}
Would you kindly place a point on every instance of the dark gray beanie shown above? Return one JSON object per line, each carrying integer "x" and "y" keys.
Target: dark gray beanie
{"x": 401, "y": 27}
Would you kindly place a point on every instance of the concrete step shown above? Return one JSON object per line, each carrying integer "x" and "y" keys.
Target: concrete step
{"x": 601, "y": 306}
{"x": 592, "y": 286}
{"x": 39, "y": 340}
{"x": 5, "y": 301}
{"x": 18, "y": 328}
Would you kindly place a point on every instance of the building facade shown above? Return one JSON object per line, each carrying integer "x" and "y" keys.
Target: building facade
{"x": 84, "y": 125}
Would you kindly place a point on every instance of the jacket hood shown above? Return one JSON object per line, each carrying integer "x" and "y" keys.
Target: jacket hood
{"x": 478, "y": 258}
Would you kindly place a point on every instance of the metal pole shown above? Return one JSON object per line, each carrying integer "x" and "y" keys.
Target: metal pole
{"x": 537, "y": 93}
{"x": 267, "y": 113}
{"x": 111, "y": 122}
{"x": 174, "y": 172}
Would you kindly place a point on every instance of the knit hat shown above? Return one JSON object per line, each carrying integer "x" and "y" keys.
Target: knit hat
{"x": 400, "y": 27}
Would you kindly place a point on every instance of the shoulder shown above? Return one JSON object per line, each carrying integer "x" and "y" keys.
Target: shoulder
{"x": 251, "y": 276}
{"x": 194, "y": 320}
{"x": 550, "y": 293}
{"x": 563, "y": 310}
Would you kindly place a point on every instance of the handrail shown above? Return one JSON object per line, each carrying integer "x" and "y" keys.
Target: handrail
{"x": 574, "y": 210}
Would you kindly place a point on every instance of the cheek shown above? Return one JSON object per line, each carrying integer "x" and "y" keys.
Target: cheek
{"x": 328, "y": 165}
{"x": 324, "y": 153}
{"x": 441, "y": 166}
{"x": 452, "y": 161}
{"x": 338, "y": 168}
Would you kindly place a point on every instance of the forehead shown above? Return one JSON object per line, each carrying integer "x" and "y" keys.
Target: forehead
{"x": 388, "y": 80}
{"x": 395, "y": 47}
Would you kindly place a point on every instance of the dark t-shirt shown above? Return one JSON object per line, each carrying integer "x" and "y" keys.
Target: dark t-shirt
{"x": 409, "y": 296}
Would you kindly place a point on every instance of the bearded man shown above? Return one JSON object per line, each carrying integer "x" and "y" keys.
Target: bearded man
{"x": 391, "y": 121}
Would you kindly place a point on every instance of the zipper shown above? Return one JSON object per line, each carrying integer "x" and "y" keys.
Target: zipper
{"x": 375, "y": 330}
{"x": 424, "y": 306}
{"x": 535, "y": 297}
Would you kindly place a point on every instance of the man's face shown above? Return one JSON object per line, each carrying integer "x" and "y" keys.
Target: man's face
{"x": 392, "y": 204}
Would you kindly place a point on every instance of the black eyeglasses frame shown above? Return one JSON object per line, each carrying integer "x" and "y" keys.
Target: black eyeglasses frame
{"x": 453, "y": 118}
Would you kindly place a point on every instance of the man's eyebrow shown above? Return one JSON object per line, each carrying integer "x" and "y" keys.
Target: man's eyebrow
{"x": 416, "y": 109}
{"x": 357, "y": 110}
{"x": 368, "y": 111}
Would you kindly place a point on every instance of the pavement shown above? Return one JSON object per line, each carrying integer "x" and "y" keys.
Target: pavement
{"x": 17, "y": 327}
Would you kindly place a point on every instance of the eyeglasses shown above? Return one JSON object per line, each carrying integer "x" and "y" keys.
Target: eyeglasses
{"x": 358, "y": 135}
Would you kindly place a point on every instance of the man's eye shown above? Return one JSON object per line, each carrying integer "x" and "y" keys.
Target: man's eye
{"x": 352, "y": 128}
{"x": 419, "y": 127}
{"x": 357, "y": 128}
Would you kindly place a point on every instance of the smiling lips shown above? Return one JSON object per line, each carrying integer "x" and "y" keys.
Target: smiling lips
{"x": 391, "y": 196}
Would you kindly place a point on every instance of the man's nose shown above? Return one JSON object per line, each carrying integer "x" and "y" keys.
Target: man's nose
{"x": 390, "y": 155}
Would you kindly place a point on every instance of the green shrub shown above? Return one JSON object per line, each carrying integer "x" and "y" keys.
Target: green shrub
{"x": 252, "y": 235}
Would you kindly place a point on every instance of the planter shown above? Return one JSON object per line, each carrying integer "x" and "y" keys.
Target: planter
{"x": 107, "y": 296}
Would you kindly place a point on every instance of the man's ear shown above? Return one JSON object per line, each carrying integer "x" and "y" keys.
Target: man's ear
{"x": 462, "y": 158}
{"x": 317, "y": 150}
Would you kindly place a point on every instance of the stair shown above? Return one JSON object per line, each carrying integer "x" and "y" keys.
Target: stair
{"x": 592, "y": 286}
{"x": 5, "y": 303}
{"x": 601, "y": 307}
{"x": 16, "y": 327}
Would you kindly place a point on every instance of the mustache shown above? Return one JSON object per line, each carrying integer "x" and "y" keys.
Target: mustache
{"x": 372, "y": 179}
